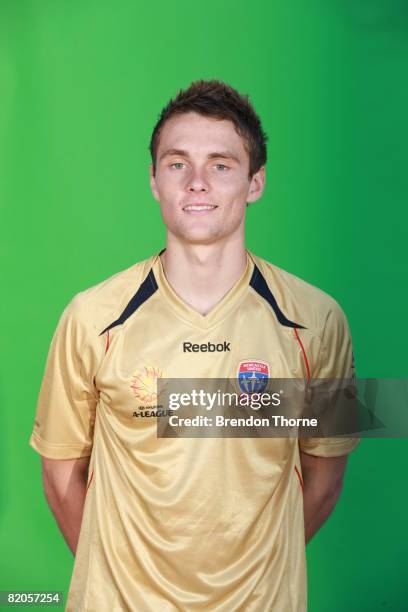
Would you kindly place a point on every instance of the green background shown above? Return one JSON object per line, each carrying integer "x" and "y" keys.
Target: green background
{"x": 82, "y": 83}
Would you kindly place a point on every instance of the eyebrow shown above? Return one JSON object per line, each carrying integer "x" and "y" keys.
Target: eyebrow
{"x": 214, "y": 155}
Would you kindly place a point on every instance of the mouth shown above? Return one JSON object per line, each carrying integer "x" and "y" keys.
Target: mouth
{"x": 199, "y": 209}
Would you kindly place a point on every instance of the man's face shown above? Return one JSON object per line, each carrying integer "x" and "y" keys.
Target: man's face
{"x": 202, "y": 178}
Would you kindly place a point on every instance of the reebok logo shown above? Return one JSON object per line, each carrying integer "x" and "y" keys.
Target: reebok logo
{"x": 209, "y": 347}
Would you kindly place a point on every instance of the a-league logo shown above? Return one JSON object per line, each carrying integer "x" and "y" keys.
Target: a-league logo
{"x": 253, "y": 376}
{"x": 144, "y": 384}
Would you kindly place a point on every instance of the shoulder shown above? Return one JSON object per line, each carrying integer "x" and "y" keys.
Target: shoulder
{"x": 96, "y": 306}
{"x": 299, "y": 300}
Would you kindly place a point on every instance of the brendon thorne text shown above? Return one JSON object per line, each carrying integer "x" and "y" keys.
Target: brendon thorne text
{"x": 250, "y": 421}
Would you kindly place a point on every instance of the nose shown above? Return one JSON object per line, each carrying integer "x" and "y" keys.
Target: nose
{"x": 197, "y": 181}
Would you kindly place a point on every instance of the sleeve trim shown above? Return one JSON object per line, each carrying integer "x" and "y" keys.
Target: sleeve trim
{"x": 58, "y": 451}
{"x": 330, "y": 449}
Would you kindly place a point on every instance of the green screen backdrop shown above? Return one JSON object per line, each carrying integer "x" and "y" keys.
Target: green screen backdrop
{"x": 82, "y": 83}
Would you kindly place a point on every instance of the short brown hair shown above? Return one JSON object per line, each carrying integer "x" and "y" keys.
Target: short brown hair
{"x": 217, "y": 99}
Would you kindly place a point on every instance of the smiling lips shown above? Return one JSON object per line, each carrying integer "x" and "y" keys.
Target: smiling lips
{"x": 199, "y": 209}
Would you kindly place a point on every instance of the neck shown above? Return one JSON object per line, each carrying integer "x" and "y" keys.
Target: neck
{"x": 202, "y": 274}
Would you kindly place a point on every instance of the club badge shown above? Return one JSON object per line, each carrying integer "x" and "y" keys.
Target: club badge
{"x": 253, "y": 376}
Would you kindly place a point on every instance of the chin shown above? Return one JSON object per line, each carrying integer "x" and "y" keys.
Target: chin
{"x": 198, "y": 233}
{"x": 199, "y": 237}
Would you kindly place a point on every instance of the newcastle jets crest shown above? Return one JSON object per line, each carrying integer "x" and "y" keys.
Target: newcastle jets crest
{"x": 253, "y": 376}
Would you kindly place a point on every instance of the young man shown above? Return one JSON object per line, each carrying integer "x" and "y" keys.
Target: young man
{"x": 216, "y": 524}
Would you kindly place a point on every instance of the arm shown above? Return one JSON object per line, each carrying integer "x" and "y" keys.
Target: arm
{"x": 322, "y": 484}
{"x": 65, "y": 482}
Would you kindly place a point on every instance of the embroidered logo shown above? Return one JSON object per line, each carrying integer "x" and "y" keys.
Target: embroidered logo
{"x": 144, "y": 384}
{"x": 253, "y": 376}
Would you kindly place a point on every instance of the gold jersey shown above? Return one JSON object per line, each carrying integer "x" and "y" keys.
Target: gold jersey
{"x": 186, "y": 524}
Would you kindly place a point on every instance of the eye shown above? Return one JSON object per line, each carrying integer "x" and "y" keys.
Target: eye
{"x": 221, "y": 167}
{"x": 177, "y": 165}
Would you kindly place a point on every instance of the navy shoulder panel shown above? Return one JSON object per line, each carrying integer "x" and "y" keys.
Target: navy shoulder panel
{"x": 260, "y": 285}
{"x": 145, "y": 291}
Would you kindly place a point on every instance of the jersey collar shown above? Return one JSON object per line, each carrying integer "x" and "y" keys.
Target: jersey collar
{"x": 221, "y": 310}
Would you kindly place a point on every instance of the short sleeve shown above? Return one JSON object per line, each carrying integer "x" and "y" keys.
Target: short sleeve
{"x": 334, "y": 361}
{"x": 66, "y": 407}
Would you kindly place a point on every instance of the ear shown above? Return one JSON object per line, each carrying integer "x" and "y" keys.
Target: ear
{"x": 153, "y": 184}
{"x": 257, "y": 185}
